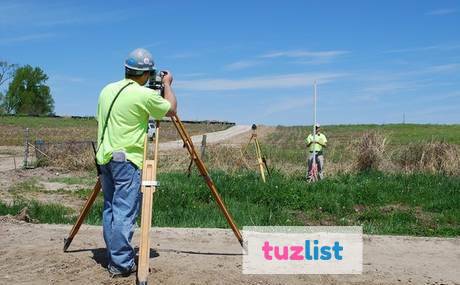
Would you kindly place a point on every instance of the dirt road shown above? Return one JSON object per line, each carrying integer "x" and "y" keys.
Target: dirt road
{"x": 32, "y": 254}
{"x": 212, "y": 138}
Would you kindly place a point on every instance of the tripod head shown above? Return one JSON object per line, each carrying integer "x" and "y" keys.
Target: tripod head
{"x": 151, "y": 129}
{"x": 254, "y": 130}
{"x": 156, "y": 81}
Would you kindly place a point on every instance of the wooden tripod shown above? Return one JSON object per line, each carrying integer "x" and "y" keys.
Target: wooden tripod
{"x": 261, "y": 161}
{"x": 149, "y": 185}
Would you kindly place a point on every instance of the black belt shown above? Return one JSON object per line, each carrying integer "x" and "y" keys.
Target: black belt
{"x": 318, "y": 152}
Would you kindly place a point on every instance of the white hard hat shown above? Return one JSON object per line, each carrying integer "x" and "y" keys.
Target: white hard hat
{"x": 139, "y": 59}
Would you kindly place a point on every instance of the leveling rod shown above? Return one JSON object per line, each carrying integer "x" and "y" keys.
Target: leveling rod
{"x": 203, "y": 171}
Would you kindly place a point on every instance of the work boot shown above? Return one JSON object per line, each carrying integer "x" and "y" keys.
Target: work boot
{"x": 116, "y": 273}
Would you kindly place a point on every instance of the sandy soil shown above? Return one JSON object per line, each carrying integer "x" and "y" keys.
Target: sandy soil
{"x": 11, "y": 157}
{"x": 32, "y": 254}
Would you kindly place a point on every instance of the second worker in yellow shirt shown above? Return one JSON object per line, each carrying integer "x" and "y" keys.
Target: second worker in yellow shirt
{"x": 315, "y": 148}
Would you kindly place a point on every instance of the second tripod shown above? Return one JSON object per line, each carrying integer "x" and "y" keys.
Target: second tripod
{"x": 261, "y": 161}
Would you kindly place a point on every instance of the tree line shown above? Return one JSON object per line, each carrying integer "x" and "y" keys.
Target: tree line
{"x": 23, "y": 90}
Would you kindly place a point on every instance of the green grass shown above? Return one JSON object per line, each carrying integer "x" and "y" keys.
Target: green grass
{"x": 28, "y": 185}
{"x": 416, "y": 204}
{"x": 49, "y": 213}
{"x": 74, "y": 180}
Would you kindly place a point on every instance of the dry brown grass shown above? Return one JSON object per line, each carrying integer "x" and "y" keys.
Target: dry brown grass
{"x": 71, "y": 156}
{"x": 369, "y": 151}
{"x": 87, "y": 131}
{"x": 433, "y": 157}
{"x": 223, "y": 157}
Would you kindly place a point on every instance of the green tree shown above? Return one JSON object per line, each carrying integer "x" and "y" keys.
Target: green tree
{"x": 6, "y": 73}
{"x": 28, "y": 94}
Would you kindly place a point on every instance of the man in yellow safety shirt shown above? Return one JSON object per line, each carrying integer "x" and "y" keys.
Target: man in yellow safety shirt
{"x": 315, "y": 149}
{"x": 123, "y": 114}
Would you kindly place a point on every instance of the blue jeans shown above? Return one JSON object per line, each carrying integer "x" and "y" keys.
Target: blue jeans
{"x": 121, "y": 182}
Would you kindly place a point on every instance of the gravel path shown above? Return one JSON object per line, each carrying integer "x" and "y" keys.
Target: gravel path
{"x": 212, "y": 138}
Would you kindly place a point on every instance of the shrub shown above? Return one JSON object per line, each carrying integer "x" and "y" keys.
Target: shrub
{"x": 430, "y": 157}
{"x": 369, "y": 151}
{"x": 69, "y": 155}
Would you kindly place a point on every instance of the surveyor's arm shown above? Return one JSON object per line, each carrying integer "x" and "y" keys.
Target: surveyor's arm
{"x": 169, "y": 94}
{"x": 308, "y": 141}
{"x": 323, "y": 142}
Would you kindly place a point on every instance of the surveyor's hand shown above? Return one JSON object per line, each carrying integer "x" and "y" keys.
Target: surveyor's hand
{"x": 168, "y": 78}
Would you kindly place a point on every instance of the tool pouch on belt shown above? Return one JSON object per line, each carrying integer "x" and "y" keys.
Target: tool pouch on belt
{"x": 119, "y": 156}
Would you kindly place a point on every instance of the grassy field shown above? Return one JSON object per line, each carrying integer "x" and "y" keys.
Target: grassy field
{"x": 72, "y": 129}
{"x": 401, "y": 140}
{"x": 416, "y": 204}
{"x": 421, "y": 197}
{"x": 397, "y": 134}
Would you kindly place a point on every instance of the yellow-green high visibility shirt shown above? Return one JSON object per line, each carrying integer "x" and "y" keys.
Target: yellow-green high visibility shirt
{"x": 127, "y": 124}
{"x": 321, "y": 138}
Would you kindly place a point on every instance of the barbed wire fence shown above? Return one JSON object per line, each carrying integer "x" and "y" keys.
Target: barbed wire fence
{"x": 56, "y": 150}
{"x": 36, "y": 147}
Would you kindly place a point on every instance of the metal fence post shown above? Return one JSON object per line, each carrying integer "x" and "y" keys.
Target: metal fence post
{"x": 26, "y": 147}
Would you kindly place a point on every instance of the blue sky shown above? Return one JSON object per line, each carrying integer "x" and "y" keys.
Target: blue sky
{"x": 252, "y": 61}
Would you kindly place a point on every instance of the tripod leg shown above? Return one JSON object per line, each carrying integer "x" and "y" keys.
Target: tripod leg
{"x": 249, "y": 142}
{"x": 259, "y": 159}
{"x": 204, "y": 172}
{"x": 266, "y": 166}
{"x": 83, "y": 213}
{"x": 189, "y": 169}
{"x": 149, "y": 184}
{"x": 263, "y": 159}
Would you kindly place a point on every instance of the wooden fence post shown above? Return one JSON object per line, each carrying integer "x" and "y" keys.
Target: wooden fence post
{"x": 203, "y": 146}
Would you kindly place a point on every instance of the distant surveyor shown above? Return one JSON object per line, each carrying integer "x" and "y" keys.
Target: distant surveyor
{"x": 315, "y": 148}
{"x": 123, "y": 116}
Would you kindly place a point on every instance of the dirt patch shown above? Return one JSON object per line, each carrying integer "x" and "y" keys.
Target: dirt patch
{"x": 207, "y": 256}
{"x": 11, "y": 150}
{"x": 42, "y": 176}
{"x": 10, "y": 162}
{"x": 55, "y": 186}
